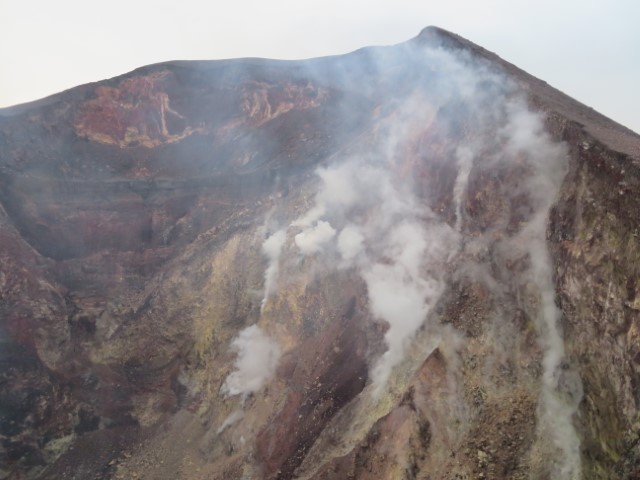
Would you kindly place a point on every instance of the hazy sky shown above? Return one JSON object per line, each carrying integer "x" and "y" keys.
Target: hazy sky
{"x": 590, "y": 49}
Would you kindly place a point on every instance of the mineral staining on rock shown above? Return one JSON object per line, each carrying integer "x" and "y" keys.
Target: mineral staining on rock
{"x": 136, "y": 112}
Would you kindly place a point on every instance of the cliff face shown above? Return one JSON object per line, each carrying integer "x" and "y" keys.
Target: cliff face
{"x": 407, "y": 262}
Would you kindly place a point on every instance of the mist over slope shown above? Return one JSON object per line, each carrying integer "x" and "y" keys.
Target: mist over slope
{"x": 412, "y": 262}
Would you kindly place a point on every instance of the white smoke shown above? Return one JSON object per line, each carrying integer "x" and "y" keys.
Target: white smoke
{"x": 272, "y": 249}
{"x": 397, "y": 247}
{"x": 232, "y": 419}
{"x": 464, "y": 156}
{"x": 560, "y": 397}
{"x": 312, "y": 239}
{"x": 405, "y": 286}
{"x": 397, "y": 244}
{"x": 350, "y": 242}
{"x": 257, "y": 358}
{"x": 366, "y": 217}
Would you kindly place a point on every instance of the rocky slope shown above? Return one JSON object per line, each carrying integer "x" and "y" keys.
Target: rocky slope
{"x": 411, "y": 262}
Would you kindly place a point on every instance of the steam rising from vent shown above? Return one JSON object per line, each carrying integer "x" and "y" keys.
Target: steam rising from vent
{"x": 257, "y": 359}
{"x": 464, "y": 156}
{"x": 272, "y": 249}
{"x": 366, "y": 217}
{"x": 398, "y": 248}
{"x": 561, "y": 387}
{"x": 312, "y": 239}
{"x": 232, "y": 419}
{"x": 350, "y": 242}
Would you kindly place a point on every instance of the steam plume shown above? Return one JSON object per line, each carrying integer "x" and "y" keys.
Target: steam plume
{"x": 561, "y": 388}
{"x": 256, "y": 362}
{"x": 366, "y": 217}
{"x": 382, "y": 235}
{"x": 311, "y": 240}
{"x": 272, "y": 249}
